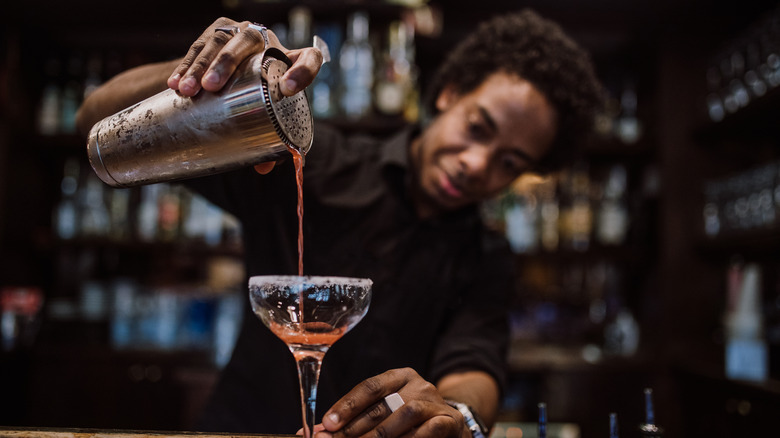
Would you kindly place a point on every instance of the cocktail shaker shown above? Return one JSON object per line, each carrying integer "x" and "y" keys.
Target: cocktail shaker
{"x": 170, "y": 137}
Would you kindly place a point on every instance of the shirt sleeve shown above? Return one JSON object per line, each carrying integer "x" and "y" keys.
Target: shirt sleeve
{"x": 476, "y": 336}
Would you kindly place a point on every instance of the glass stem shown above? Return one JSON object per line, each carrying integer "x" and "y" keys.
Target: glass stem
{"x": 309, "y": 376}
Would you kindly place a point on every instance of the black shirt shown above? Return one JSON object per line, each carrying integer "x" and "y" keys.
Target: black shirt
{"x": 440, "y": 289}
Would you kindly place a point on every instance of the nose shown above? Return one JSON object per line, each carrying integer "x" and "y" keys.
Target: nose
{"x": 474, "y": 161}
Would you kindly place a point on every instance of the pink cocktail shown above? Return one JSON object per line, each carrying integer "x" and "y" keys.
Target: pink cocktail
{"x": 309, "y": 314}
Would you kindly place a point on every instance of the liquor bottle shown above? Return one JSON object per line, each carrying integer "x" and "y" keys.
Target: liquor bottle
{"x": 169, "y": 213}
{"x": 148, "y": 212}
{"x": 549, "y": 212}
{"x": 119, "y": 208}
{"x": 299, "y": 35}
{"x": 93, "y": 78}
{"x": 95, "y": 218}
{"x": 649, "y": 429}
{"x": 357, "y": 68}
{"x": 48, "y": 117}
{"x": 612, "y": 224}
{"x": 613, "y": 426}
{"x": 747, "y": 356}
{"x": 629, "y": 128}
{"x": 66, "y": 214}
{"x": 396, "y": 79}
{"x": 576, "y": 210}
{"x": 72, "y": 94}
{"x": 542, "y": 420}
{"x": 324, "y": 102}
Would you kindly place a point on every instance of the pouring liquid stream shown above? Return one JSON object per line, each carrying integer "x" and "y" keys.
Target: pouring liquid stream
{"x": 298, "y": 161}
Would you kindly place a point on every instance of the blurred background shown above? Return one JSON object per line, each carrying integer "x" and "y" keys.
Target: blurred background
{"x": 652, "y": 262}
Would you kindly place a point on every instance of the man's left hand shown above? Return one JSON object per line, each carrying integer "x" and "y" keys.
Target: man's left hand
{"x": 363, "y": 410}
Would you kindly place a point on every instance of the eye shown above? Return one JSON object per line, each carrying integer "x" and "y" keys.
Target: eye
{"x": 477, "y": 128}
{"x": 513, "y": 164}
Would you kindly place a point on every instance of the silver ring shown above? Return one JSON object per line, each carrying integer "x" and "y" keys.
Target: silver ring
{"x": 230, "y": 30}
{"x": 263, "y": 31}
{"x": 394, "y": 401}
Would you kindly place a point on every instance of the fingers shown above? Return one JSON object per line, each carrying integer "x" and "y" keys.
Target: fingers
{"x": 187, "y": 75}
{"x": 241, "y": 46}
{"x": 422, "y": 418}
{"x": 306, "y": 65}
{"x": 365, "y": 395}
{"x": 214, "y": 56}
{"x": 367, "y": 420}
{"x": 264, "y": 168}
{"x": 364, "y": 410}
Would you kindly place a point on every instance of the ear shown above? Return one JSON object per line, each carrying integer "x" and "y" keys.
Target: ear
{"x": 446, "y": 98}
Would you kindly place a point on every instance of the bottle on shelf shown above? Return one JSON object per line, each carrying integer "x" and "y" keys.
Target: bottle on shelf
{"x": 542, "y": 429}
{"x": 169, "y": 213}
{"x": 357, "y": 68}
{"x": 72, "y": 94}
{"x": 299, "y": 34}
{"x": 324, "y": 102}
{"x": 119, "y": 210}
{"x": 94, "y": 70}
{"x": 629, "y": 128}
{"x": 576, "y": 209}
{"x": 613, "y": 219}
{"x": 396, "y": 81}
{"x": 649, "y": 429}
{"x": 66, "y": 218}
{"x": 613, "y": 426}
{"x": 95, "y": 217}
{"x": 147, "y": 212}
{"x": 549, "y": 215}
{"x": 746, "y": 346}
{"x": 48, "y": 117}
{"x": 745, "y": 69}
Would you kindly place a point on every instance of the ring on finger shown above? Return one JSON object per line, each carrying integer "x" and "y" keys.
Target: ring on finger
{"x": 394, "y": 401}
{"x": 230, "y": 30}
{"x": 262, "y": 29}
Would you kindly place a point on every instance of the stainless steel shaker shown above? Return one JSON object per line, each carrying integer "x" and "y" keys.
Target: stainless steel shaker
{"x": 170, "y": 137}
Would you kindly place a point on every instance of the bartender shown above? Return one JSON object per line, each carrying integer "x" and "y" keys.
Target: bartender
{"x": 428, "y": 360}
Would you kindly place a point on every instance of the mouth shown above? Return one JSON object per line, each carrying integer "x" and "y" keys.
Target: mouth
{"x": 449, "y": 188}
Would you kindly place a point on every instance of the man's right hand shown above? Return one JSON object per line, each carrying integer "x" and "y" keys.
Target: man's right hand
{"x": 215, "y": 55}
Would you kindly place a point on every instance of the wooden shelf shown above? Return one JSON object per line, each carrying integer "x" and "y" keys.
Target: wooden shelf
{"x": 758, "y": 120}
{"x": 754, "y": 244}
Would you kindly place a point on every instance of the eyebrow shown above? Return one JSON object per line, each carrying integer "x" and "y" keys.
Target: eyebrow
{"x": 492, "y": 124}
{"x": 488, "y": 118}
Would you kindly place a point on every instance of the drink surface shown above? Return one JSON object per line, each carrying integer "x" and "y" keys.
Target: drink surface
{"x": 312, "y": 336}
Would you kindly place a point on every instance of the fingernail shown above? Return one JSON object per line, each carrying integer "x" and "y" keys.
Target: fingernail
{"x": 175, "y": 77}
{"x": 290, "y": 84}
{"x": 211, "y": 77}
{"x": 188, "y": 84}
{"x": 334, "y": 417}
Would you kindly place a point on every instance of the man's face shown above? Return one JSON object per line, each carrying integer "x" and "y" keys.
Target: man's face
{"x": 480, "y": 142}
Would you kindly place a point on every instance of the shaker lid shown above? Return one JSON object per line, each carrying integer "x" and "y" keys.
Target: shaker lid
{"x": 291, "y": 115}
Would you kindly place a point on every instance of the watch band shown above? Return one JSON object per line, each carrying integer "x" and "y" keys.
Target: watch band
{"x": 473, "y": 422}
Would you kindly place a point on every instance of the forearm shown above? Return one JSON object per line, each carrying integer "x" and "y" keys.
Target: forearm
{"x": 122, "y": 91}
{"x": 475, "y": 388}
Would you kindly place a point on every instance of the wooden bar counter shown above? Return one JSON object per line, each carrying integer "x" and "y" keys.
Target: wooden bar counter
{"x": 25, "y": 432}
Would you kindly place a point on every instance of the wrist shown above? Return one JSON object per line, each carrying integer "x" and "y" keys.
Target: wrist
{"x": 474, "y": 423}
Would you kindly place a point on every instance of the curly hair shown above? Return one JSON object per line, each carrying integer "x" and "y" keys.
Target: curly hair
{"x": 537, "y": 50}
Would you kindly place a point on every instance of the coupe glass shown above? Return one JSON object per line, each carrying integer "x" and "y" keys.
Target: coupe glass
{"x": 309, "y": 314}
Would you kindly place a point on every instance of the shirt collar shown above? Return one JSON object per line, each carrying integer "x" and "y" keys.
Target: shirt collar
{"x": 395, "y": 151}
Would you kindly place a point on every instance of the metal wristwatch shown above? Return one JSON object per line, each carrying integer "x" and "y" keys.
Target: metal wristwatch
{"x": 473, "y": 422}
